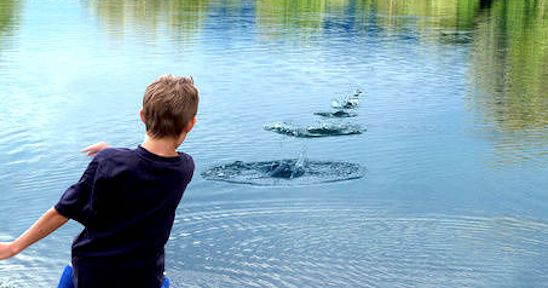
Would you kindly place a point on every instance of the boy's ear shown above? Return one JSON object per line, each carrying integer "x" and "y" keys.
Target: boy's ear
{"x": 142, "y": 115}
{"x": 190, "y": 124}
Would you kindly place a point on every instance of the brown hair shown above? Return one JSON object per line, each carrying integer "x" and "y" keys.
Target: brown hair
{"x": 169, "y": 104}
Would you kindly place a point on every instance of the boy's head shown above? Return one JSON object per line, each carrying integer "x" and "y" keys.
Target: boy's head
{"x": 170, "y": 105}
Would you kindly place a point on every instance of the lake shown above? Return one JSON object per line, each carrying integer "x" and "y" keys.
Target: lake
{"x": 450, "y": 185}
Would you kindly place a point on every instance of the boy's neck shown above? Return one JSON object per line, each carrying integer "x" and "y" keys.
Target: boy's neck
{"x": 165, "y": 147}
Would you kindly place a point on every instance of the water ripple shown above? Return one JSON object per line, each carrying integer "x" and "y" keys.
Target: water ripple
{"x": 319, "y": 130}
{"x": 318, "y": 245}
{"x": 284, "y": 172}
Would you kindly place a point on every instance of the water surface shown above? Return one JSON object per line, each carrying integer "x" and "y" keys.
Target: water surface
{"x": 454, "y": 101}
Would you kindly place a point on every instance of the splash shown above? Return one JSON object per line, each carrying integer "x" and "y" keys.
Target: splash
{"x": 336, "y": 114}
{"x": 286, "y": 169}
{"x": 284, "y": 172}
{"x": 320, "y": 130}
{"x": 348, "y": 102}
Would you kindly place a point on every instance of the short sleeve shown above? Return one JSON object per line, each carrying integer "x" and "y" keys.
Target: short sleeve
{"x": 191, "y": 166}
{"x": 75, "y": 203}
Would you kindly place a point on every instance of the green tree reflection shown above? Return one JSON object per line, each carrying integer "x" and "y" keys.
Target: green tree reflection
{"x": 453, "y": 14}
{"x": 9, "y": 12}
{"x": 181, "y": 18}
{"x": 278, "y": 17}
{"x": 509, "y": 77}
{"x": 510, "y": 64}
{"x": 446, "y": 17}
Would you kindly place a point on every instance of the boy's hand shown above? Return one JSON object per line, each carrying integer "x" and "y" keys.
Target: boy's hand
{"x": 92, "y": 150}
{"x": 7, "y": 250}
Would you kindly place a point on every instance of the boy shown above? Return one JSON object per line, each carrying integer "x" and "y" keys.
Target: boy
{"x": 126, "y": 199}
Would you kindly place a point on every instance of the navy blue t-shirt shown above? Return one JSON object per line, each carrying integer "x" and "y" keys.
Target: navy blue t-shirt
{"x": 126, "y": 200}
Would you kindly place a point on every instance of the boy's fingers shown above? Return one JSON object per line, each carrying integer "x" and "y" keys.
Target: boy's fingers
{"x": 89, "y": 148}
{"x": 91, "y": 152}
{"x": 95, "y": 148}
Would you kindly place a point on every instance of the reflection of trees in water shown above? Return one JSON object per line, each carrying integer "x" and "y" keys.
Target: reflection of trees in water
{"x": 279, "y": 17}
{"x": 180, "y": 17}
{"x": 509, "y": 64}
{"x": 9, "y": 11}
{"x": 509, "y": 75}
{"x": 451, "y": 14}
{"x": 444, "y": 16}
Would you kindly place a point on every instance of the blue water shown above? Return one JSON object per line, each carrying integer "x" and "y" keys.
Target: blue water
{"x": 455, "y": 141}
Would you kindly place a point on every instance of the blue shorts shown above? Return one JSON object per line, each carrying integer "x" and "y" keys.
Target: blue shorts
{"x": 66, "y": 279}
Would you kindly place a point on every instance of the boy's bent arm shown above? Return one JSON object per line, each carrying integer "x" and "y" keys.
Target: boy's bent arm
{"x": 49, "y": 222}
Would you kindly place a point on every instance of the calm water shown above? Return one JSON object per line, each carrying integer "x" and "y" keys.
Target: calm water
{"x": 456, "y": 142}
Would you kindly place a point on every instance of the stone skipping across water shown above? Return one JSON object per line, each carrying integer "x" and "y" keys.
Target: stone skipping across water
{"x": 319, "y": 130}
{"x": 343, "y": 105}
{"x": 347, "y": 102}
{"x": 285, "y": 172}
{"x": 298, "y": 171}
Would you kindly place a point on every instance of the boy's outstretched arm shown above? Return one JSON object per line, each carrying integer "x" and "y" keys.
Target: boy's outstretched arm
{"x": 49, "y": 222}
